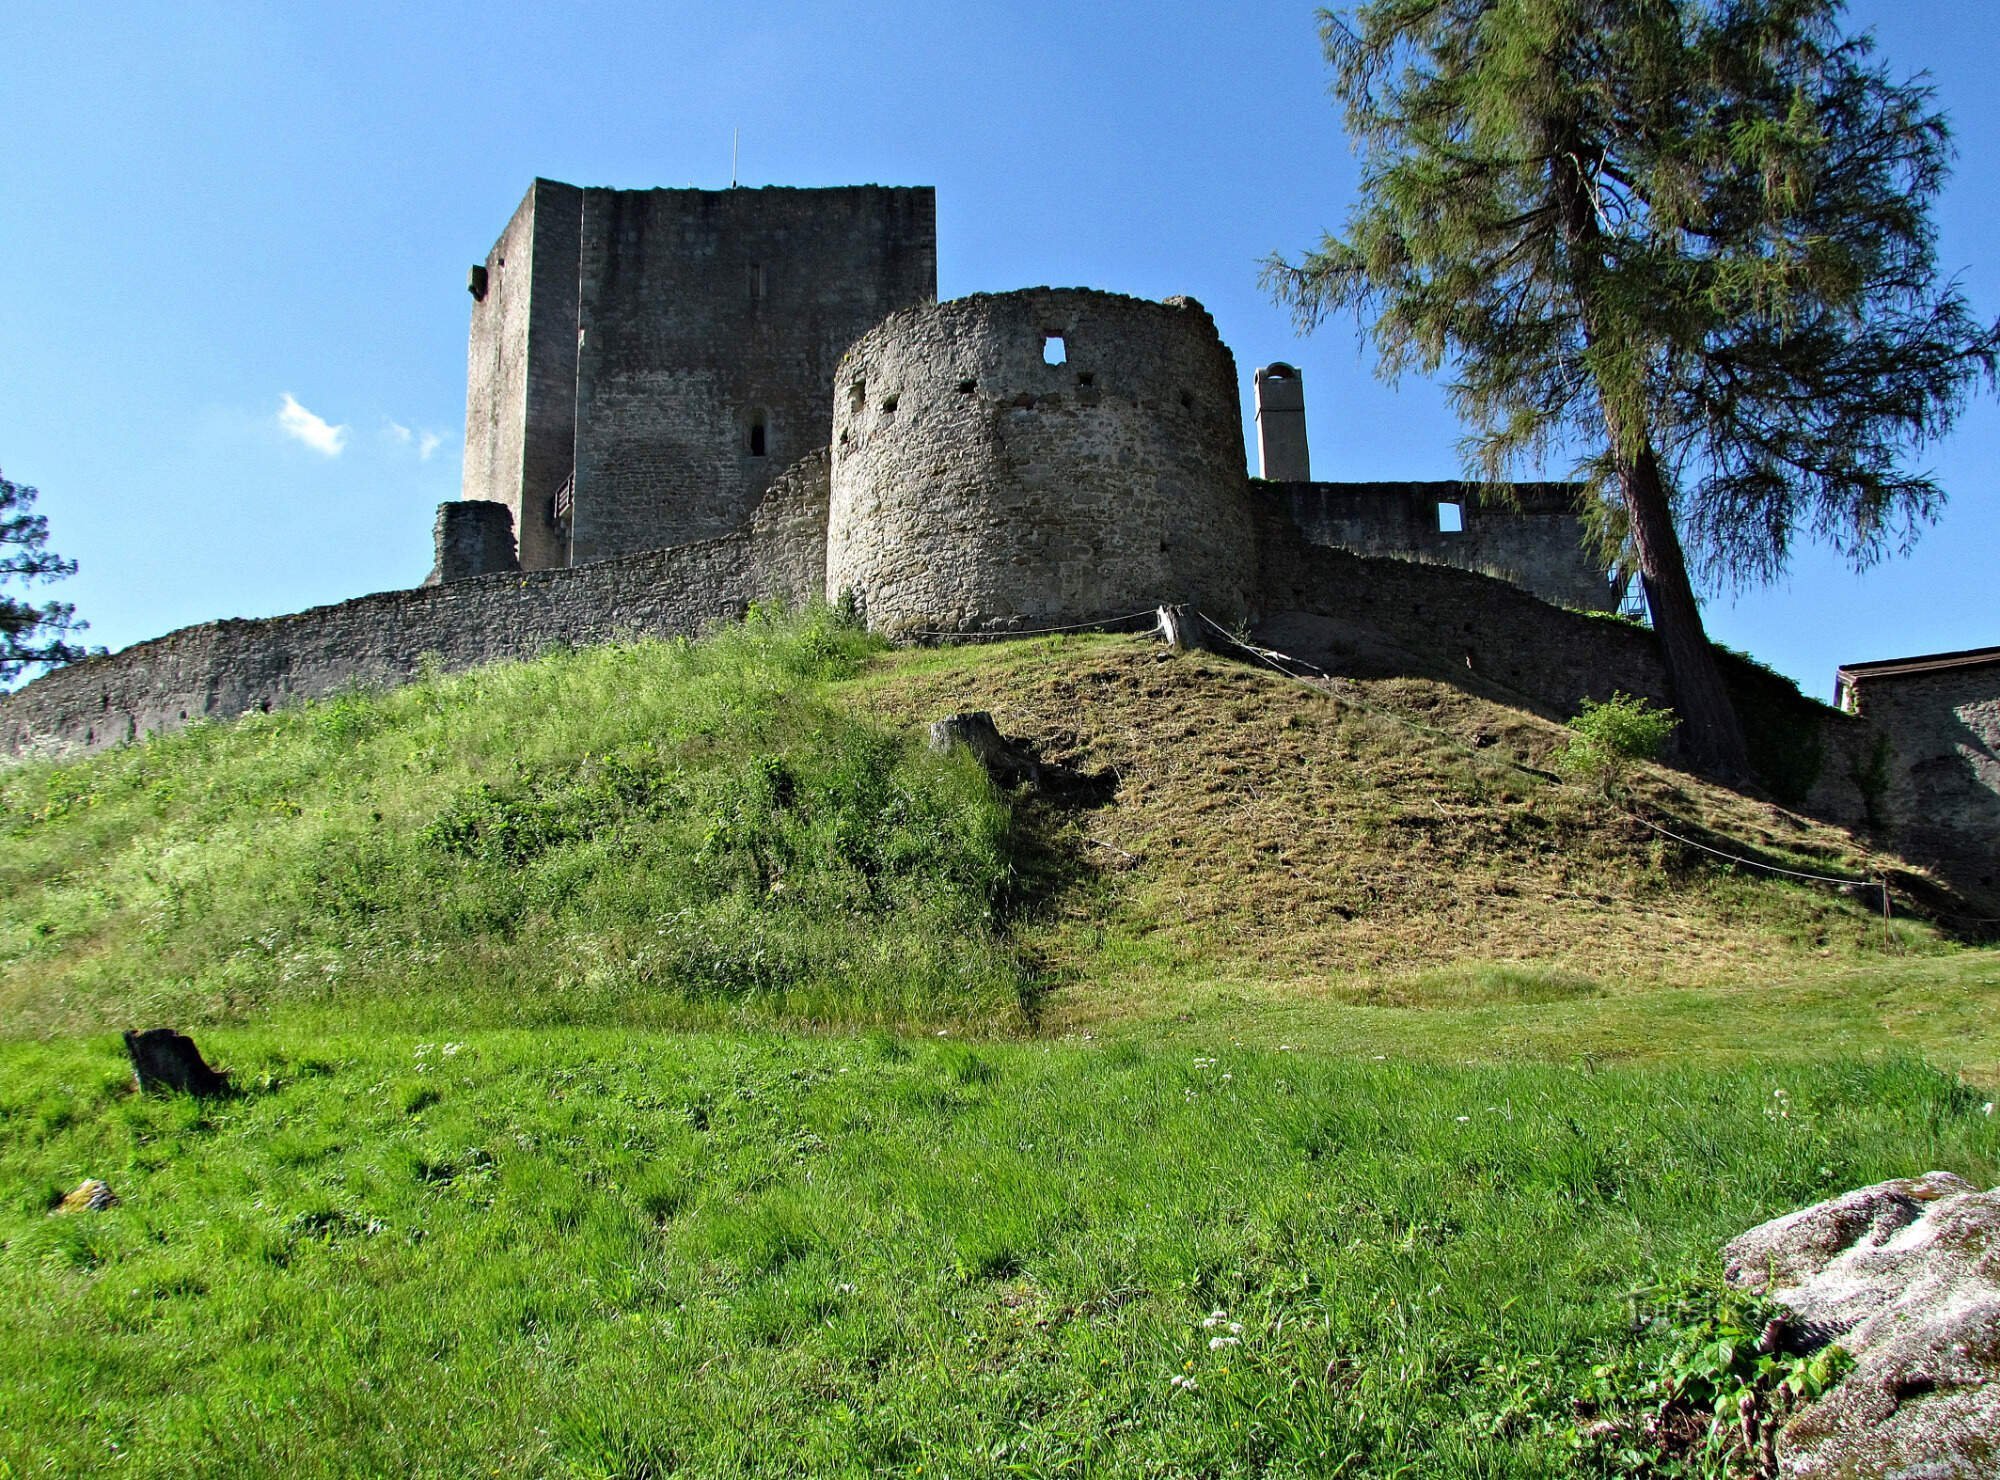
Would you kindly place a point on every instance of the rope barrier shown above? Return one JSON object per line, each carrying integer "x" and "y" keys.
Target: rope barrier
{"x": 1771, "y": 868}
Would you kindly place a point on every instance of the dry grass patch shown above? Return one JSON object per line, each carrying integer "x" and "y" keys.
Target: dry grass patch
{"x": 1395, "y": 842}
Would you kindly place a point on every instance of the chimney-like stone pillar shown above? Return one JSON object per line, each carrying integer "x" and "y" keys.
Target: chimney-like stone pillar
{"x": 1281, "y": 425}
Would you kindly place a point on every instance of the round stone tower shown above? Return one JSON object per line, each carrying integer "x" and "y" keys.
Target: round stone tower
{"x": 1021, "y": 460}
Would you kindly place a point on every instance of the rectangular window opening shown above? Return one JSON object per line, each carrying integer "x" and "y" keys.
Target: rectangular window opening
{"x": 1451, "y": 518}
{"x": 756, "y": 282}
{"x": 1054, "y": 352}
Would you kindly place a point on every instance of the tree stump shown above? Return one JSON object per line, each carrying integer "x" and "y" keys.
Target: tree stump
{"x": 1007, "y": 763}
{"x": 168, "y": 1062}
{"x": 1182, "y": 629}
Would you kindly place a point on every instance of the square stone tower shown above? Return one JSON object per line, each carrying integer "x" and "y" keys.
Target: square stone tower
{"x": 642, "y": 363}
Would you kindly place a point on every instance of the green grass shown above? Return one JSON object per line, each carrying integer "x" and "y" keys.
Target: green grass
{"x": 577, "y": 1252}
{"x": 653, "y": 1062}
{"x": 661, "y": 833}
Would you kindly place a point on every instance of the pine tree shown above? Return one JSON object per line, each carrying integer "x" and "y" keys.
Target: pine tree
{"x": 31, "y": 634}
{"x": 1687, "y": 243}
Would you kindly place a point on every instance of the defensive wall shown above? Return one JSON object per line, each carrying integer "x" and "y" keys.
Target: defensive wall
{"x": 1021, "y": 460}
{"x": 217, "y": 670}
{"x": 1031, "y": 459}
{"x": 1536, "y": 539}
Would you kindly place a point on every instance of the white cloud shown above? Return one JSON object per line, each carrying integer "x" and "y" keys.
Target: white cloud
{"x": 301, "y": 425}
{"x": 425, "y": 442}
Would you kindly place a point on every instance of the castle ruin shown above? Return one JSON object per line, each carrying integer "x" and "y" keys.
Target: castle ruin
{"x": 679, "y": 402}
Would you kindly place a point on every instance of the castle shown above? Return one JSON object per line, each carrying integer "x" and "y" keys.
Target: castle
{"x": 682, "y": 401}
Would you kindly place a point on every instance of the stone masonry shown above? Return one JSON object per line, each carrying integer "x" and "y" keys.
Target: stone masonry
{"x": 1030, "y": 459}
{"x": 1537, "y": 541}
{"x": 643, "y": 363}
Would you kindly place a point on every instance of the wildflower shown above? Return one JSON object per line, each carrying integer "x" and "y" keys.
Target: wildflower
{"x": 1201, "y": 1063}
{"x": 1215, "y": 1318}
{"x": 1463, "y": 1119}
{"x": 1217, "y": 1343}
{"x": 1185, "y": 1383}
{"x": 450, "y": 1049}
{"x": 843, "y": 1289}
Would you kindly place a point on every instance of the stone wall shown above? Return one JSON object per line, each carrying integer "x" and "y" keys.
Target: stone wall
{"x": 520, "y": 397}
{"x": 1538, "y": 543}
{"x": 1939, "y": 773}
{"x": 710, "y": 324}
{"x": 221, "y": 669}
{"x": 978, "y": 487}
{"x": 1370, "y": 617}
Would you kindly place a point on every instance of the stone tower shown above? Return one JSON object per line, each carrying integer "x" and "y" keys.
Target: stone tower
{"x": 1020, "y": 460}
{"x": 1281, "y": 425}
{"x": 642, "y": 363}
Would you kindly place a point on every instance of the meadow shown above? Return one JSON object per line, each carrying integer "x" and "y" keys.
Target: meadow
{"x": 652, "y": 1061}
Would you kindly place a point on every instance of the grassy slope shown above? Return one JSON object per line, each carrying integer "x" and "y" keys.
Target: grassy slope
{"x": 1395, "y": 869}
{"x": 485, "y": 1204}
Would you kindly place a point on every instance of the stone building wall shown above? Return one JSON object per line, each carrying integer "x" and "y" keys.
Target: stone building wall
{"x": 1538, "y": 543}
{"x": 710, "y": 323}
{"x": 520, "y": 389}
{"x": 1939, "y": 775}
{"x": 976, "y": 486}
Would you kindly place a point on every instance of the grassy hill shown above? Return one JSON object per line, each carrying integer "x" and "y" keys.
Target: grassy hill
{"x": 652, "y": 1061}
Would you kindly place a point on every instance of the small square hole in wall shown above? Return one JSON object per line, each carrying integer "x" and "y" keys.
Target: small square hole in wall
{"x": 1086, "y": 379}
{"x": 1451, "y": 518}
{"x": 889, "y": 405}
{"x": 1054, "y": 351}
{"x": 967, "y": 386}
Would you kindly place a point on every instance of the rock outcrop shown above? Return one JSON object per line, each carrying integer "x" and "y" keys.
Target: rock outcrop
{"x": 1906, "y": 1276}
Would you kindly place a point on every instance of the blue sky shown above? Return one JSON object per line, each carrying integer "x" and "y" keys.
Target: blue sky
{"x": 233, "y": 243}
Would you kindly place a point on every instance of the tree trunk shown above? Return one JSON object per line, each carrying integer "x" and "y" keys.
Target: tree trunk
{"x": 1711, "y": 734}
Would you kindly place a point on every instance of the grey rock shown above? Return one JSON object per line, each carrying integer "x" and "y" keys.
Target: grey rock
{"x": 90, "y": 1196}
{"x": 1906, "y": 1276}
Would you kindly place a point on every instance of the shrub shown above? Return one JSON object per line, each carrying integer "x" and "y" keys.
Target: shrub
{"x": 1607, "y": 737}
